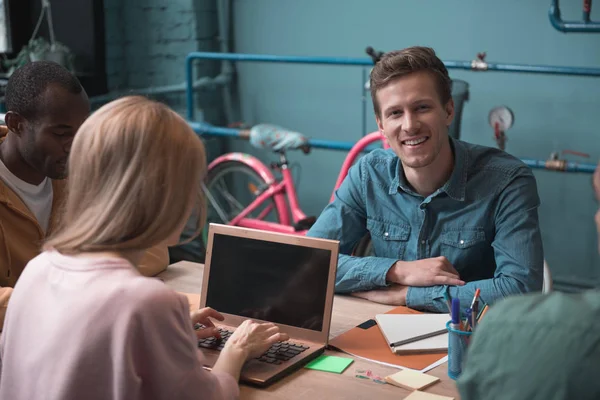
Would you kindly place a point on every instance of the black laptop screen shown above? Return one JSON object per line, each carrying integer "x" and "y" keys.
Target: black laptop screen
{"x": 275, "y": 282}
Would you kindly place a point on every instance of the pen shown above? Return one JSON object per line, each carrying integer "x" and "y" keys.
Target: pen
{"x": 474, "y": 315}
{"x": 477, "y": 292}
{"x": 482, "y": 313}
{"x": 469, "y": 314}
{"x": 485, "y": 306}
{"x": 455, "y": 315}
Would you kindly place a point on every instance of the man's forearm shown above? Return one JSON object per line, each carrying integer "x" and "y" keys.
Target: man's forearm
{"x": 432, "y": 298}
{"x": 361, "y": 273}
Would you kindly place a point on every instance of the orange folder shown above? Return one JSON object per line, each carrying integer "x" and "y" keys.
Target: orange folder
{"x": 370, "y": 344}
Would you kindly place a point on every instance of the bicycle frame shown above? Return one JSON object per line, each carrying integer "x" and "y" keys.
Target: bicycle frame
{"x": 275, "y": 190}
{"x": 354, "y": 152}
{"x": 283, "y": 190}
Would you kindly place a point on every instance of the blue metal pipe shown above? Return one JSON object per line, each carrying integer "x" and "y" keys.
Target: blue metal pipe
{"x": 585, "y": 26}
{"x": 280, "y": 59}
{"x": 337, "y": 145}
{"x": 467, "y": 65}
{"x": 545, "y": 69}
{"x": 528, "y": 68}
{"x": 205, "y": 82}
{"x": 568, "y": 167}
{"x": 203, "y": 128}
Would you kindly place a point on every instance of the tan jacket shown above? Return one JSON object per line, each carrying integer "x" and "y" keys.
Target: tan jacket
{"x": 21, "y": 238}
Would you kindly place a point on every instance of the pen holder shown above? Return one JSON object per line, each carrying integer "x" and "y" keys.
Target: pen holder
{"x": 458, "y": 343}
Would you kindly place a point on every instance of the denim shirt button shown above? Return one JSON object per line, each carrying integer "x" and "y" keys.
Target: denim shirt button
{"x": 462, "y": 241}
{"x": 386, "y": 234}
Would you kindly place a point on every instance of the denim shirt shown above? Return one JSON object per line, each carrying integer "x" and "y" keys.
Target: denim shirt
{"x": 484, "y": 220}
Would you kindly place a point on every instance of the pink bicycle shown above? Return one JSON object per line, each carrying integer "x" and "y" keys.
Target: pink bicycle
{"x": 242, "y": 191}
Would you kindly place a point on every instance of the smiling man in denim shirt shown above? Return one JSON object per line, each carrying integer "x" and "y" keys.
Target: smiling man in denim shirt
{"x": 443, "y": 215}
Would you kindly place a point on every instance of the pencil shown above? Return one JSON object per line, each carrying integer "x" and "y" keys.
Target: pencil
{"x": 475, "y": 297}
{"x": 482, "y": 313}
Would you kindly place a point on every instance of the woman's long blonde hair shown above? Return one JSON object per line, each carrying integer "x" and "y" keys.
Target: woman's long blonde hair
{"x": 135, "y": 170}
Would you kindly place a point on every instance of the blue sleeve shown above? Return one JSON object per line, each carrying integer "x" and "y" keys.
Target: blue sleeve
{"x": 517, "y": 247}
{"x": 345, "y": 220}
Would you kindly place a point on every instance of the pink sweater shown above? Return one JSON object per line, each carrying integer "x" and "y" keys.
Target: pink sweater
{"x": 97, "y": 329}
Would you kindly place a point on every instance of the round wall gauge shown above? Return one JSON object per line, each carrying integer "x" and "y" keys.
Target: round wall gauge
{"x": 503, "y": 116}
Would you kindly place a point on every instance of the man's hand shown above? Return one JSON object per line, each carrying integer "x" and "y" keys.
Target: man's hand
{"x": 202, "y": 316}
{"x": 427, "y": 272}
{"x": 394, "y": 295}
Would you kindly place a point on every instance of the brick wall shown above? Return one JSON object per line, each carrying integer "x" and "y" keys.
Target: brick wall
{"x": 147, "y": 42}
{"x": 116, "y": 70}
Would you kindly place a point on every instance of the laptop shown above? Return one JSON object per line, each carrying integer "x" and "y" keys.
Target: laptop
{"x": 273, "y": 277}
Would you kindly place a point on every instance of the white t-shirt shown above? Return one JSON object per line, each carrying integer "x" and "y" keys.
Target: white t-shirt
{"x": 38, "y": 198}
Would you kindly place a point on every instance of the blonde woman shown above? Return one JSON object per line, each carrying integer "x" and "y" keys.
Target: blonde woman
{"x": 82, "y": 322}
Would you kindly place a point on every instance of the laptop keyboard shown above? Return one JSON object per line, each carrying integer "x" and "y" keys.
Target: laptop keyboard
{"x": 277, "y": 353}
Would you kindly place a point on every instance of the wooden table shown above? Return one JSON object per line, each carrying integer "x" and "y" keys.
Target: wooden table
{"x": 314, "y": 385}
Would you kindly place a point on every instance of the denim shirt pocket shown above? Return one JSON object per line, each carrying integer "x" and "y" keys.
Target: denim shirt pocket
{"x": 462, "y": 246}
{"x": 388, "y": 239}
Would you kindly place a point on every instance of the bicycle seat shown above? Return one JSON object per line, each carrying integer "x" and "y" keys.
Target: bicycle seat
{"x": 276, "y": 138}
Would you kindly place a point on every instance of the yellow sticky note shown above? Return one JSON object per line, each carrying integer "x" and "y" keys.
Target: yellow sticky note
{"x": 412, "y": 380}
{"x": 416, "y": 395}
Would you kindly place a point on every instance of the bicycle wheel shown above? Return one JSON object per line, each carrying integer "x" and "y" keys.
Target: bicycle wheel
{"x": 231, "y": 187}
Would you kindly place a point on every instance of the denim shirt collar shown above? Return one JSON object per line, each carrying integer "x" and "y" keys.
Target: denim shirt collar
{"x": 455, "y": 187}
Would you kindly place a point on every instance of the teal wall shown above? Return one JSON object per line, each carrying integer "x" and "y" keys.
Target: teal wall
{"x": 552, "y": 113}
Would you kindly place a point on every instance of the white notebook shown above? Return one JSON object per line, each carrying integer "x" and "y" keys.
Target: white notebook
{"x": 414, "y": 333}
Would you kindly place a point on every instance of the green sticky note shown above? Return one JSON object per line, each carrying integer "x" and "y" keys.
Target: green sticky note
{"x": 330, "y": 364}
